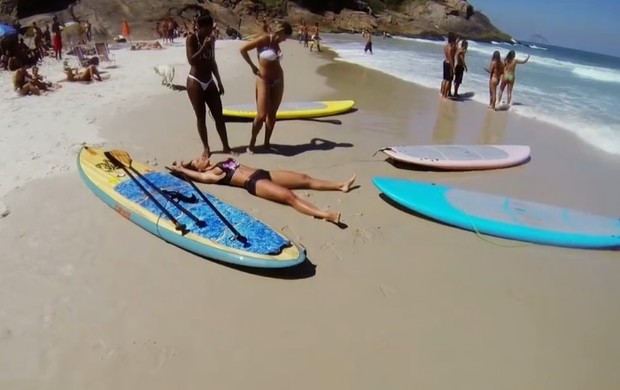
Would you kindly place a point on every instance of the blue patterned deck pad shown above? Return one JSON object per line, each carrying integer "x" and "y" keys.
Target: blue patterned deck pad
{"x": 260, "y": 238}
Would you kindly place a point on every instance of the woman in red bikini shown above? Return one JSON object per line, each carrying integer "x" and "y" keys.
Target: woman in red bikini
{"x": 201, "y": 87}
{"x": 271, "y": 185}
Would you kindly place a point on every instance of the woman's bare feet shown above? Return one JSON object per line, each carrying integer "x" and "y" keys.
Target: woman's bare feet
{"x": 333, "y": 218}
{"x": 346, "y": 186}
{"x": 249, "y": 150}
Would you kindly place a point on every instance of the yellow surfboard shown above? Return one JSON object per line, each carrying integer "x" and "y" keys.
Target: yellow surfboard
{"x": 206, "y": 234}
{"x": 294, "y": 110}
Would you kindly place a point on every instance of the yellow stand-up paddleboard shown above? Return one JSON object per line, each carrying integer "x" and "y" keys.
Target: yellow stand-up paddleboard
{"x": 176, "y": 211}
{"x": 294, "y": 110}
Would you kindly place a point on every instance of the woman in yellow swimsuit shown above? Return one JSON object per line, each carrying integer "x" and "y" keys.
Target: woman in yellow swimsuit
{"x": 269, "y": 79}
{"x": 510, "y": 67}
{"x": 271, "y": 185}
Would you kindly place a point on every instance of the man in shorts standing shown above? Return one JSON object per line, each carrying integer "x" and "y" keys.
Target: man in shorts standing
{"x": 449, "y": 51}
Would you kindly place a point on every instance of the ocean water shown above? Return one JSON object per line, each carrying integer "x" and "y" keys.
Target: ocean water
{"x": 576, "y": 90}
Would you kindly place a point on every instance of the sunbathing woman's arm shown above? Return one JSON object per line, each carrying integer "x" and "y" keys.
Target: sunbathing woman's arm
{"x": 208, "y": 177}
{"x": 260, "y": 41}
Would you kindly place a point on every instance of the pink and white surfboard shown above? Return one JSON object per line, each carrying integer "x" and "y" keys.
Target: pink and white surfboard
{"x": 460, "y": 157}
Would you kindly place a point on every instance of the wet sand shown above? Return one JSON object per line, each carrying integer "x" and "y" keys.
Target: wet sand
{"x": 88, "y": 300}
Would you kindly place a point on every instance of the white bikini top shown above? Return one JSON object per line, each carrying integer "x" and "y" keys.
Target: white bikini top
{"x": 268, "y": 53}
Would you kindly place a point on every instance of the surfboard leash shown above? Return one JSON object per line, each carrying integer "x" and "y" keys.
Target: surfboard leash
{"x": 489, "y": 241}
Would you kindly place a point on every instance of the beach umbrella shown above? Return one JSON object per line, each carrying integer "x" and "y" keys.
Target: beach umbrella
{"x": 72, "y": 28}
{"x": 125, "y": 30}
{"x": 6, "y": 30}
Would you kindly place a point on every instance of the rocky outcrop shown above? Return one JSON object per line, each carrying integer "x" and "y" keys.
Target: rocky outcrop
{"x": 425, "y": 18}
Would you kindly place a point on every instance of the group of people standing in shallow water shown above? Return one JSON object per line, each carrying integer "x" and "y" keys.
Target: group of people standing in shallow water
{"x": 204, "y": 89}
{"x": 502, "y": 73}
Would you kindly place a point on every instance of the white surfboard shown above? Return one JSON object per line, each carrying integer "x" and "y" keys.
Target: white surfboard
{"x": 460, "y": 157}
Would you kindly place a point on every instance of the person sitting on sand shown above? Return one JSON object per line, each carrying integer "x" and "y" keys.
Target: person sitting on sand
{"x": 23, "y": 82}
{"x": 510, "y": 68}
{"x": 37, "y": 80}
{"x": 496, "y": 70}
{"x": 86, "y": 75}
{"x": 271, "y": 185}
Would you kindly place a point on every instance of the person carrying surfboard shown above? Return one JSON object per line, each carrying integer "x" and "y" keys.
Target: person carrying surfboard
{"x": 269, "y": 80}
{"x": 271, "y": 185}
{"x": 201, "y": 87}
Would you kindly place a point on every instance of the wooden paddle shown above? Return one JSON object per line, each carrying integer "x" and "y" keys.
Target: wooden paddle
{"x": 238, "y": 236}
{"x": 124, "y": 160}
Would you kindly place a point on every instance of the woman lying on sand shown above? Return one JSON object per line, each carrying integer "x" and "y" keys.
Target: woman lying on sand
{"x": 270, "y": 185}
{"x": 87, "y": 75}
{"x": 146, "y": 46}
{"x": 23, "y": 83}
{"x": 269, "y": 79}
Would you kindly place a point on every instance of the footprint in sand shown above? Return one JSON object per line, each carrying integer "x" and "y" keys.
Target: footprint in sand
{"x": 387, "y": 291}
{"x": 329, "y": 245}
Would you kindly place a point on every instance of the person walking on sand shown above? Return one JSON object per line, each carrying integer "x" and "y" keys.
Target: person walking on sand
{"x": 460, "y": 67}
{"x": 368, "y": 38}
{"x": 449, "y": 51}
{"x": 316, "y": 38}
{"x": 57, "y": 40}
{"x": 495, "y": 70}
{"x": 510, "y": 68}
{"x": 276, "y": 185}
{"x": 269, "y": 80}
{"x": 201, "y": 87}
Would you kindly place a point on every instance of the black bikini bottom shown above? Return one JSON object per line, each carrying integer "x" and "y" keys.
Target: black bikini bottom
{"x": 260, "y": 174}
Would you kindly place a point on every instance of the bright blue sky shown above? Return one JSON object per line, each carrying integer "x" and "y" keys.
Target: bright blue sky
{"x": 591, "y": 25}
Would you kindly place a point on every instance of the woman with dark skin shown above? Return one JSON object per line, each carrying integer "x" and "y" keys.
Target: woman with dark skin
{"x": 269, "y": 80}
{"x": 200, "y": 86}
{"x": 496, "y": 70}
{"x": 274, "y": 185}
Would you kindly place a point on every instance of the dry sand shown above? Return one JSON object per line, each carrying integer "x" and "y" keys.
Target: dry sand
{"x": 89, "y": 301}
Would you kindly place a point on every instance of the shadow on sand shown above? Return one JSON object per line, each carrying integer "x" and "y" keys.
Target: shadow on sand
{"x": 178, "y": 87}
{"x": 305, "y": 270}
{"x": 234, "y": 119}
{"x": 315, "y": 144}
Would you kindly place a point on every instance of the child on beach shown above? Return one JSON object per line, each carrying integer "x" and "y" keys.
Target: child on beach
{"x": 510, "y": 67}
{"x": 271, "y": 185}
{"x": 460, "y": 67}
{"x": 368, "y": 38}
{"x": 316, "y": 38}
{"x": 201, "y": 87}
{"x": 449, "y": 51}
{"x": 269, "y": 79}
{"x": 496, "y": 70}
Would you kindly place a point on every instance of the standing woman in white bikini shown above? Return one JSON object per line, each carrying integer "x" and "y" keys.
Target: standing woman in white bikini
{"x": 269, "y": 80}
{"x": 200, "y": 86}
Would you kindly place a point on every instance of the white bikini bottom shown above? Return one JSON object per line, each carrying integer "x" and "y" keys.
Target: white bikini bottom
{"x": 203, "y": 85}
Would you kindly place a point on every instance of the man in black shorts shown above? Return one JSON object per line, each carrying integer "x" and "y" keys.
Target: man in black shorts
{"x": 449, "y": 51}
{"x": 460, "y": 67}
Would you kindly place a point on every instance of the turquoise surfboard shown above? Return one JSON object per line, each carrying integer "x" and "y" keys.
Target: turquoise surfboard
{"x": 502, "y": 216}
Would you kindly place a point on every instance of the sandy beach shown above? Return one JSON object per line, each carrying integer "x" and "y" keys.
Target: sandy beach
{"x": 91, "y": 301}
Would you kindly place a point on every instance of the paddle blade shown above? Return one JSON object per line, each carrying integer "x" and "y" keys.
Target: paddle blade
{"x": 121, "y": 156}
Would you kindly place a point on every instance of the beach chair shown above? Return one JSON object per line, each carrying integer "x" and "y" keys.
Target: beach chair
{"x": 83, "y": 61}
{"x": 103, "y": 52}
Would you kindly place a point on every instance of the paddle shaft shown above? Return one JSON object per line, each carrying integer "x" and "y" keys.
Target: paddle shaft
{"x": 150, "y": 196}
{"x": 238, "y": 235}
{"x": 198, "y": 221}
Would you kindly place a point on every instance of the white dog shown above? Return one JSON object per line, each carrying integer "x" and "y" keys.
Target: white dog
{"x": 167, "y": 74}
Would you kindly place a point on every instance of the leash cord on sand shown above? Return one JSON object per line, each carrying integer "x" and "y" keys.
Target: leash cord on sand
{"x": 488, "y": 241}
